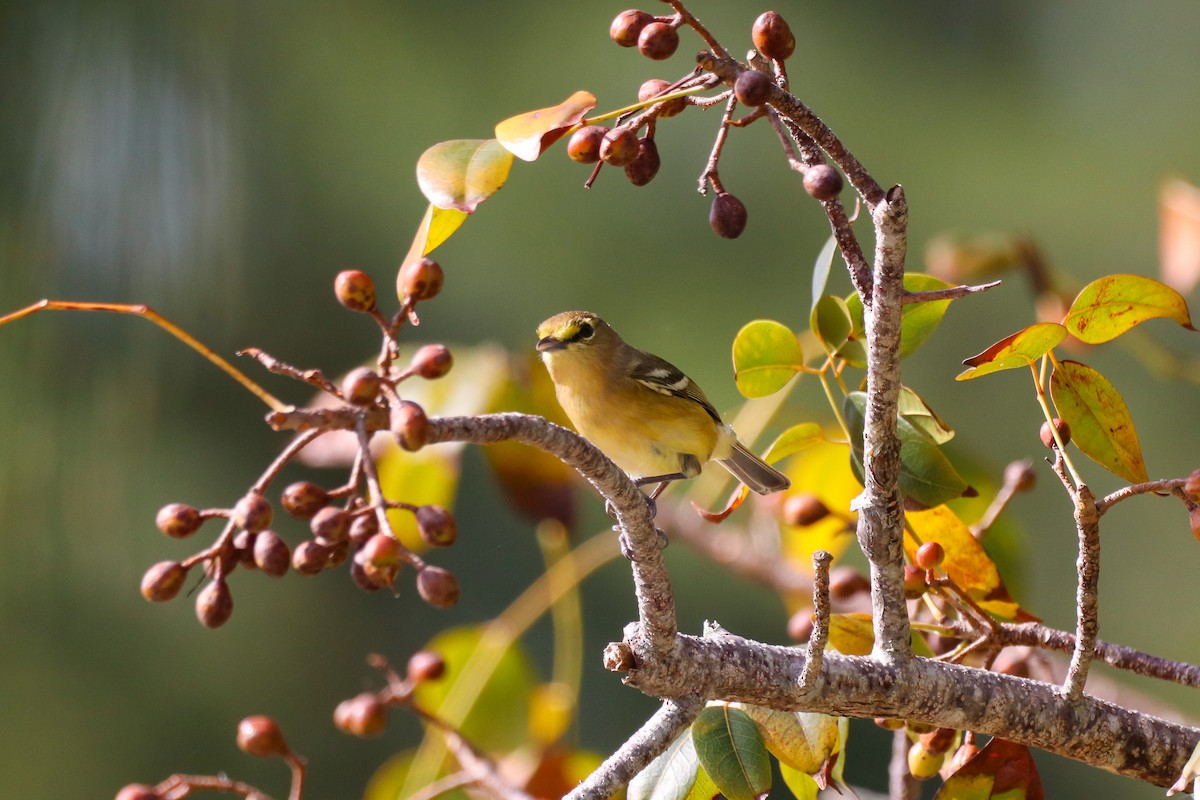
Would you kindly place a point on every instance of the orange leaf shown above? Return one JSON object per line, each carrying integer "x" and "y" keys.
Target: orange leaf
{"x": 1018, "y": 350}
{"x": 528, "y": 135}
{"x": 1179, "y": 234}
{"x": 735, "y": 500}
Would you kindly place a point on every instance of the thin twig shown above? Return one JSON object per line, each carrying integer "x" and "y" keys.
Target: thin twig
{"x": 949, "y": 293}
{"x": 815, "y": 651}
{"x": 710, "y": 175}
{"x": 295, "y": 446}
{"x": 1158, "y": 487}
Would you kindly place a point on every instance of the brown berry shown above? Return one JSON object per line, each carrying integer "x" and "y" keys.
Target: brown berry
{"x": 303, "y": 499}
{"x": 330, "y": 525}
{"x": 619, "y": 147}
{"x": 846, "y": 582}
{"x": 271, "y": 554}
{"x": 243, "y": 547}
{"x": 361, "y": 386}
{"x": 214, "y": 604}
{"x": 1021, "y": 476}
{"x": 362, "y": 528}
{"x": 355, "y": 290}
{"x": 338, "y": 553}
{"x": 362, "y": 579}
{"x": 432, "y": 361}
{"x": 938, "y": 740}
{"x": 751, "y": 87}
{"x": 436, "y": 526}
{"x": 823, "y": 182}
{"x": 163, "y": 581}
{"x": 645, "y": 166}
{"x": 800, "y": 625}
{"x": 772, "y": 36}
{"x": 362, "y": 715}
{"x": 425, "y": 665}
{"x": 410, "y": 426}
{"x": 382, "y": 550}
{"x": 260, "y": 736}
{"x": 178, "y": 520}
{"x": 727, "y": 216}
{"x": 420, "y": 280}
{"x": 252, "y": 513}
{"x": 584, "y": 144}
{"x": 804, "y": 509}
{"x": 914, "y": 582}
{"x": 627, "y": 26}
{"x": 656, "y": 86}
{"x": 1064, "y": 433}
{"x": 658, "y": 41}
{"x": 438, "y": 587}
{"x": 309, "y": 557}
{"x": 138, "y": 791}
{"x": 930, "y": 555}
{"x": 1191, "y": 485}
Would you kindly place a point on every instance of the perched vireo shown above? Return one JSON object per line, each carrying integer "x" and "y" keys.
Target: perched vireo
{"x": 647, "y": 416}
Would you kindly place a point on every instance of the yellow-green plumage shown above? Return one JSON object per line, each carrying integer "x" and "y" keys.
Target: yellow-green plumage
{"x": 645, "y": 414}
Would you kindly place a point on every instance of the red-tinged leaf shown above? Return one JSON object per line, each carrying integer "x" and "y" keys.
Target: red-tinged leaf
{"x": 438, "y": 225}
{"x": 462, "y": 173}
{"x": 1179, "y": 234}
{"x": 1018, "y": 350}
{"x": 528, "y": 135}
{"x": 1100, "y": 422}
{"x": 1112, "y": 305}
{"x": 1002, "y": 769}
{"x": 735, "y": 500}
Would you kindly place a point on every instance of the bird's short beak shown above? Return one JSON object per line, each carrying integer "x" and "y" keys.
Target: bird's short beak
{"x": 550, "y": 343}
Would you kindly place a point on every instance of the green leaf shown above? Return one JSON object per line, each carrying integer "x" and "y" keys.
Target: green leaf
{"x": 926, "y": 475}
{"x": 1099, "y": 419}
{"x": 462, "y": 173}
{"x": 793, "y": 440}
{"x": 802, "y": 740}
{"x": 1017, "y": 350}
{"x": 528, "y": 135}
{"x": 671, "y": 775}
{"x": 917, "y": 320}
{"x": 732, "y": 752}
{"x": 830, "y": 321}
{"x": 766, "y": 354}
{"x": 1110, "y": 306}
{"x": 821, "y": 268}
{"x": 914, "y": 409}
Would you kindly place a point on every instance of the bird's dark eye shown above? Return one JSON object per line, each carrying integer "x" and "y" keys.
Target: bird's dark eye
{"x": 585, "y": 330}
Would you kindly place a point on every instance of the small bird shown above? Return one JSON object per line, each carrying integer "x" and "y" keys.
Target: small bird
{"x": 641, "y": 411}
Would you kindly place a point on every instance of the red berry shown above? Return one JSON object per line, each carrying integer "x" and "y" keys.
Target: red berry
{"x": 410, "y": 426}
{"x": 772, "y": 36}
{"x": 214, "y": 604}
{"x": 619, "y": 148}
{"x": 303, "y": 499}
{"x": 260, "y": 736}
{"x": 914, "y": 582}
{"x": 627, "y": 26}
{"x": 930, "y": 555}
{"x": 420, "y": 280}
{"x": 361, "y": 386}
{"x": 584, "y": 144}
{"x": 658, "y": 41}
{"x": 178, "y": 520}
{"x": 252, "y": 513}
{"x": 382, "y": 550}
{"x": 163, "y": 581}
{"x": 425, "y": 665}
{"x": 804, "y": 509}
{"x": 355, "y": 290}
{"x": 432, "y": 361}
{"x": 363, "y": 715}
{"x": 1047, "y": 436}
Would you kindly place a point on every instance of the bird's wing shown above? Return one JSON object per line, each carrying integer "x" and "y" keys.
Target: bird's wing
{"x": 665, "y": 378}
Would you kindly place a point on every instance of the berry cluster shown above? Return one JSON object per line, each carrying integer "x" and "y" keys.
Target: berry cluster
{"x": 346, "y": 523}
{"x": 657, "y": 38}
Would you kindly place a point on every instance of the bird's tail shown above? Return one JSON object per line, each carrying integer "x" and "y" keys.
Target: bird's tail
{"x": 751, "y": 470}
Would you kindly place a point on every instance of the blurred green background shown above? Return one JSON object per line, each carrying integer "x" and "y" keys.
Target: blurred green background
{"x": 222, "y": 161}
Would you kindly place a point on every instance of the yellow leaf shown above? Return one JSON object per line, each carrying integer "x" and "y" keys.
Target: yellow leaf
{"x": 800, "y": 739}
{"x": 1110, "y": 306}
{"x": 462, "y": 173}
{"x": 1018, "y": 350}
{"x": 1099, "y": 419}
